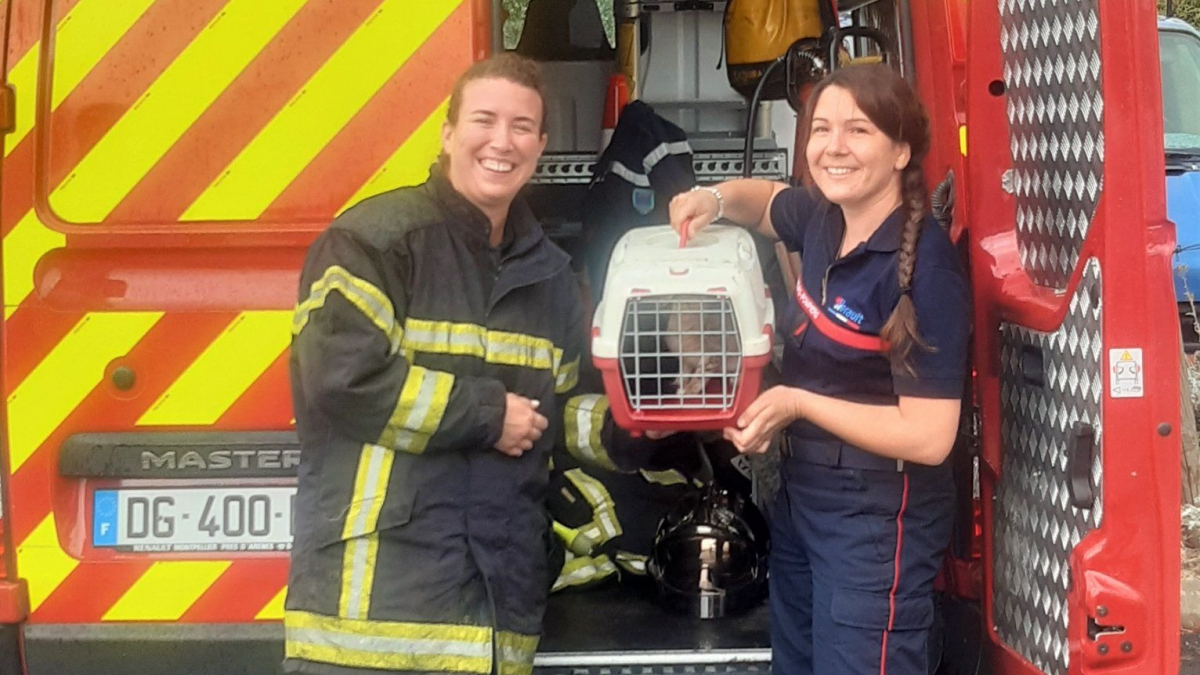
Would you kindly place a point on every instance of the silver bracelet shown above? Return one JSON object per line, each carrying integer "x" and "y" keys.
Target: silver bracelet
{"x": 716, "y": 193}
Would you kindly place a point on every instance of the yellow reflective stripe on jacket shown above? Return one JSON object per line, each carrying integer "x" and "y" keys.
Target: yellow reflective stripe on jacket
{"x": 582, "y": 570}
{"x": 391, "y": 645}
{"x": 527, "y": 351}
{"x": 358, "y": 575}
{"x": 583, "y": 420}
{"x": 604, "y": 525}
{"x": 567, "y": 377}
{"x": 670, "y": 477}
{"x": 444, "y": 337}
{"x": 468, "y": 339}
{"x": 419, "y": 410}
{"x": 516, "y": 652}
{"x": 632, "y": 562}
{"x": 368, "y": 299}
{"x": 362, "y": 521}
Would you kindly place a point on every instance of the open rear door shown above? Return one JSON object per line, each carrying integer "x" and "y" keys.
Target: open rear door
{"x": 1077, "y": 340}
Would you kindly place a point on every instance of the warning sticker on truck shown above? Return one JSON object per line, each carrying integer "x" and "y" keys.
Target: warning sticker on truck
{"x": 1125, "y": 373}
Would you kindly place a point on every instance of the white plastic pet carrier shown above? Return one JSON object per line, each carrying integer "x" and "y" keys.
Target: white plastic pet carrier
{"x": 682, "y": 333}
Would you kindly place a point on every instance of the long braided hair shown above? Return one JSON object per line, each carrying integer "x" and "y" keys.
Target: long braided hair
{"x": 892, "y": 106}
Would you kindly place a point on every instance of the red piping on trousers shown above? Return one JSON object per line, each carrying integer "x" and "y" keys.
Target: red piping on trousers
{"x": 895, "y": 578}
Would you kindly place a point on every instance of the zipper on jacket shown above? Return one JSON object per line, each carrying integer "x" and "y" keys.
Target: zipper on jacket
{"x": 828, "y": 268}
{"x": 496, "y": 656}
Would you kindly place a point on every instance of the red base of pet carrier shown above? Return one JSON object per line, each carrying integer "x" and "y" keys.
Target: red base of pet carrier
{"x": 680, "y": 417}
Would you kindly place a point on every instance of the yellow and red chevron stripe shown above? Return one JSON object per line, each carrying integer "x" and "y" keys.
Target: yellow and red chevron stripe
{"x": 235, "y": 117}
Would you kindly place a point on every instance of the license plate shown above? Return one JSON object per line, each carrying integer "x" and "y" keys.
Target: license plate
{"x": 177, "y": 520}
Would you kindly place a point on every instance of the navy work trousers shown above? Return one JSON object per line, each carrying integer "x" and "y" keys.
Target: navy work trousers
{"x": 854, "y": 554}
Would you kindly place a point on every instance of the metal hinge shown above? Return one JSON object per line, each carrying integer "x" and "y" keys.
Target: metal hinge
{"x": 8, "y": 109}
{"x": 1008, "y": 181}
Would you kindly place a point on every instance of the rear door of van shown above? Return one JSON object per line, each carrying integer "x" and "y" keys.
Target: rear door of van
{"x": 1076, "y": 342}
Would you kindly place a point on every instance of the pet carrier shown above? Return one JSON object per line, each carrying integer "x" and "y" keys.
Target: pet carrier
{"x": 682, "y": 334}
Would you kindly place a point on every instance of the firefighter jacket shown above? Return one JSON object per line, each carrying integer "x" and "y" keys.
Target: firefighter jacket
{"x": 606, "y": 505}
{"x": 608, "y": 492}
{"x": 418, "y": 546}
{"x": 647, "y": 163}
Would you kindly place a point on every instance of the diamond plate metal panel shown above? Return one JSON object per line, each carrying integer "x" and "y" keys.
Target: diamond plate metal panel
{"x": 1035, "y": 525}
{"x": 1056, "y": 119}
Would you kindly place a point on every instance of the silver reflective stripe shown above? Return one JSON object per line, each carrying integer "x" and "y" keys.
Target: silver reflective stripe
{"x": 632, "y": 562}
{"x": 579, "y": 571}
{"x": 443, "y": 338}
{"x": 419, "y": 409}
{"x": 516, "y": 656}
{"x": 666, "y": 478}
{"x": 468, "y": 339}
{"x": 583, "y": 426}
{"x": 586, "y": 432}
{"x": 604, "y": 525}
{"x": 630, "y": 175}
{"x": 520, "y": 354}
{"x": 406, "y": 437}
{"x": 358, "y": 570}
{"x": 516, "y": 652}
{"x": 378, "y": 644}
{"x": 656, "y": 155}
{"x": 370, "y": 488}
{"x": 567, "y": 377}
{"x": 365, "y": 297}
{"x": 389, "y": 645}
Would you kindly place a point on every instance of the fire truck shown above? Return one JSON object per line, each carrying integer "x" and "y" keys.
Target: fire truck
{"x": 166, "y": 163}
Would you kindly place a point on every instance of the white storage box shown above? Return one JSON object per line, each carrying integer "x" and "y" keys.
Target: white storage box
{"x": 682, "y": 334}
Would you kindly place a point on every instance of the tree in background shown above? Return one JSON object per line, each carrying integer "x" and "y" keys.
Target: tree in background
{"x": 1188, "y": 10}
{"x": 516, "y": 20}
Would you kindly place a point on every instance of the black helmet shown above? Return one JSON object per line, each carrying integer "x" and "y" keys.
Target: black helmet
{"x": 710, "y": 554}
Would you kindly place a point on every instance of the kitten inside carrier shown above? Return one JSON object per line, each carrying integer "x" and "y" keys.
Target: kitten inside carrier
{"x": 705, "y": 341}
{"x": 681, "y": 334}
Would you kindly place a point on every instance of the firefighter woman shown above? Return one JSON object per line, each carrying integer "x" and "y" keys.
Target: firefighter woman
{"x": 435, "y": 327}
{"x": 874, "y": 370}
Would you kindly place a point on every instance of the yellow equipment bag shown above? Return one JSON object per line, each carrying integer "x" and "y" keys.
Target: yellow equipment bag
{"x": 759, "y": 31}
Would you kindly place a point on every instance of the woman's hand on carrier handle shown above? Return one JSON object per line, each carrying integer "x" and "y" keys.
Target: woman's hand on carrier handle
{"x": 744, "y": 201}
{"x": 766, "y": 416}
{"x": 692, "y": 211}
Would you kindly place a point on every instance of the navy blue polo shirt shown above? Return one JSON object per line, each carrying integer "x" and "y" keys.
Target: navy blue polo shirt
{"x": 859, "y": 292}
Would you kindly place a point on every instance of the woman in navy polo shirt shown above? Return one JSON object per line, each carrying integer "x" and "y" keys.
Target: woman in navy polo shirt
{"x": 874, "y": 366}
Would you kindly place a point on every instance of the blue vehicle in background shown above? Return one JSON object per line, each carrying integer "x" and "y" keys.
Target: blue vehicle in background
{"x": 1179, "y": 52}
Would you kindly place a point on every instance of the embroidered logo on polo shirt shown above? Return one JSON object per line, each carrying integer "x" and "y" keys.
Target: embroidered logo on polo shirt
{"x": 846, "y": 314}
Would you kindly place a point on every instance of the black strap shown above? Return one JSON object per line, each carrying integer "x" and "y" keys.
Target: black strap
{"x": 829, "y": 13}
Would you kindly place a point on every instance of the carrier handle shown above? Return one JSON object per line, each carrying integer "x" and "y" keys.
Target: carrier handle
{"x": 1081, "y": 451}
{"x": 683, "y": 233}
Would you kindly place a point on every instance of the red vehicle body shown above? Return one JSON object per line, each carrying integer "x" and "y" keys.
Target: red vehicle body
{"x": 168, "y": 161}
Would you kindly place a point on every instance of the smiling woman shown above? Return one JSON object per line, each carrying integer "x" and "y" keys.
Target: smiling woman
{"x": 874, "y": 366}
{"x": 436, "y": 329}
{"x": 494, "y": 134}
